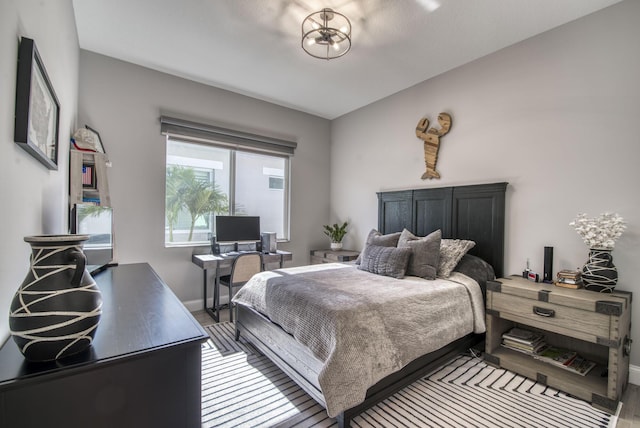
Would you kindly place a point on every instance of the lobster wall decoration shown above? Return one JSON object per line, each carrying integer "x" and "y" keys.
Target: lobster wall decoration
{"x": 431, "y": 138}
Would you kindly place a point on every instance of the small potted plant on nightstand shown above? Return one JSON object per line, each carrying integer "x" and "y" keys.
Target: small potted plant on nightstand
{"x": 336, "y": 233}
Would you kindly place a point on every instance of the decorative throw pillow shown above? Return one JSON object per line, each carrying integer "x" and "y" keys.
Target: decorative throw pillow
{"x": 425, "y": 253}
{"x": 451, "y": 251}
{"x": 476, "y": 268}
{"x": 376, "y": 238}
{"x": 387, "y": 261}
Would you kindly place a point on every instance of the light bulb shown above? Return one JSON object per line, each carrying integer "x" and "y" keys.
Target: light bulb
{"x": 311, "y": 41}
{"x": 336, "y": 46}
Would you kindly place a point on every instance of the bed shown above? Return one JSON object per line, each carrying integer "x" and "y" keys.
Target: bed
{"x": 389, "y": 348}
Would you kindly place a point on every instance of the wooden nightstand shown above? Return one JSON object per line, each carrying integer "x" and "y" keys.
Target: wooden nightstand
{"x": 595, "y": 325}
{"x": 331, "y": 256}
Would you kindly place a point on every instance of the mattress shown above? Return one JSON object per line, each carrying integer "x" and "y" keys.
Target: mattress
{"x": 362, "y": 326}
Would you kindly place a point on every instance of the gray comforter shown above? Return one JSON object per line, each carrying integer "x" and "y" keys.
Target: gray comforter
{"x": 364, "y": 326}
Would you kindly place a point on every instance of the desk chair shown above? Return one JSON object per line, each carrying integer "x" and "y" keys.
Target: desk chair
{"x": 243, "y": 268}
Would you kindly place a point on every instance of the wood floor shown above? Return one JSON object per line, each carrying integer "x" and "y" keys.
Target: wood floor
{"x": 629, "y": 416}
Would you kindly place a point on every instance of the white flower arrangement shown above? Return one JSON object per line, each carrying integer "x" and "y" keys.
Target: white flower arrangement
{"x": 599, "y": 232}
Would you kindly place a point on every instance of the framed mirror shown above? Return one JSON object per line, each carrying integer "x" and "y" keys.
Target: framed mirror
{"x": 97, "y": 222}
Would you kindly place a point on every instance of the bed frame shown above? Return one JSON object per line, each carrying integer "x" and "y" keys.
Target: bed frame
{"x": 463, "y": 212}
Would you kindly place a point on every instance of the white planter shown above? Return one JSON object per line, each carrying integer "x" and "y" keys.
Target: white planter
{"x": 336, "y": 246}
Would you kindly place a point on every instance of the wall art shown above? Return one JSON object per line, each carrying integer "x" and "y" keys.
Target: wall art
{"x": 37, "y": 107}
{"x": 431, "y": 137}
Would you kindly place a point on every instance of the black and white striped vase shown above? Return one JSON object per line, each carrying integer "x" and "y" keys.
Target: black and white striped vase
{"x": 57, "y": 308}
{"x": 599, "y": 273}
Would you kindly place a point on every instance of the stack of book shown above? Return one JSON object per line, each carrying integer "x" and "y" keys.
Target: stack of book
{"x": 569, "y": 279}
{"x": 566, "y": 359}
{"x": 533, "y": 343}
{"x": 522, "y": 340}
{"x": 580, "y": 366}
{"x": 557, "y": 356}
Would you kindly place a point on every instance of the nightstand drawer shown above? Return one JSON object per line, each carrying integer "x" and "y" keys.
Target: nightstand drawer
{"x": 551, "y": 317}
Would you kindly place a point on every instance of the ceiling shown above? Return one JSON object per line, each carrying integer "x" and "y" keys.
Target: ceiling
{"x": 252, "y": 47}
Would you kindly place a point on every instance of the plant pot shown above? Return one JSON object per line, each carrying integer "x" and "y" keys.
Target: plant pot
{"x": 335, "y": 246}
{"x": 599, "y": 273}
{"x": 56, "y": 310}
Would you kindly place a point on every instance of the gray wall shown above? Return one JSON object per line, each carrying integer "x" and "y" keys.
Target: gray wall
{"x": 556, "y": 116}
{"x": 34, "y": 199}
{"x": 124, "y": 102}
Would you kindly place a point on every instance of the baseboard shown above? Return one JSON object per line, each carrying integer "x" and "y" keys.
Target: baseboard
{"x": 196, "y": 305}
{"x": 634, "y": 374}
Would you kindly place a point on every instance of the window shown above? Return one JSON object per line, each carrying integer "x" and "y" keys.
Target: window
{"x": 276, "y": 183}
{"x": 211, "y": 177}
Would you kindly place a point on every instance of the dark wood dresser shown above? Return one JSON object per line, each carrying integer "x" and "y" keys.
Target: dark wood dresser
{"x": 143, "y": 370}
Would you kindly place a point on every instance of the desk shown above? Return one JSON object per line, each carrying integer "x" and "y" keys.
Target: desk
{"x": 225, "y": 260}
{"x": 143, "y": 370}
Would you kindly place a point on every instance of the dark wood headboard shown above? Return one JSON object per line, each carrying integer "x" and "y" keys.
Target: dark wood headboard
{"x": 463, "y": 212}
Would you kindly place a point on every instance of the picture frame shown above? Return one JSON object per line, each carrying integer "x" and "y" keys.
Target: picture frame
{"x": 89, "y": 177}
{"x": 37, "y": 115}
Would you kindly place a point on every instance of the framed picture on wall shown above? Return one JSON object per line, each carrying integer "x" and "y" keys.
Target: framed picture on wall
{"x": 37, "y": 107}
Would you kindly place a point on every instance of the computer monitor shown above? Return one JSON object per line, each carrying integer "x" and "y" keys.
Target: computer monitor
{"x": 237, "y": 228}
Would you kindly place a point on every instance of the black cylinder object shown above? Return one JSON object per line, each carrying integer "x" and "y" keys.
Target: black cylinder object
{"x": 547, "y": 275}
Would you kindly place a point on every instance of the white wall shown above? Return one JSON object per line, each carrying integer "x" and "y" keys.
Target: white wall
{"x": 556, "y": 116}
{"x": 123, "y": 102}
{"x": 34, "y": 199}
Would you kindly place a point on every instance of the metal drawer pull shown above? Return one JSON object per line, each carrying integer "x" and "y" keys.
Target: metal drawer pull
{"x": 626, "y": 346}
{"x": 543, "y": 312}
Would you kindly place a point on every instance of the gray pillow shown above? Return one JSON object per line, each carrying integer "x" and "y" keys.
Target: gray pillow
{"x": 376, "y": 238}
{"x": 425, "y": 253}
{"x": 451, "y": 251}
{"x": 387, "y": 261}
{"x": 476, "y": 268}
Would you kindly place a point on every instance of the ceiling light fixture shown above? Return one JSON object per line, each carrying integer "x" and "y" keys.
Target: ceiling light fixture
{"x": 326, "y": 34}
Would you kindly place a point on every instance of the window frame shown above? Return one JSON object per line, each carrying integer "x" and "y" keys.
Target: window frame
{"x": 233, "y": 150}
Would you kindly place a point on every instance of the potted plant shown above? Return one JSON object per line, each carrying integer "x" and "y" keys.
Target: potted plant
{"x": 336, "y": 233}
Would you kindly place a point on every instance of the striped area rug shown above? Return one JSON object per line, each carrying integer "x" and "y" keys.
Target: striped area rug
{"x": 241, "y": 388}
